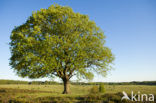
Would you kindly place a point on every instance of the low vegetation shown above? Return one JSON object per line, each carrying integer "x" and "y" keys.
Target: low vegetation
{"x": 45, "y": 93}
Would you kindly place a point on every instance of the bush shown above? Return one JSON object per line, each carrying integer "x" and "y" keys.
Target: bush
{"x": 2, "y": 90}
{"x": 102, "y": 88}
{"x": 94, "y": 90}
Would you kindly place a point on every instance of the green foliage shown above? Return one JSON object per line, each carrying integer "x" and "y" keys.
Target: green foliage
{"x": 13, "y": 82}
{"x": 56, "y": 42}
{"x": 94, "y": 90}
{"x": 102, "y": 88}
{"x": 26, "y": 82}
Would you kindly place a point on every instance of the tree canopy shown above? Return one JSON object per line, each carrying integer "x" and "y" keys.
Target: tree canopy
{"x": 57, "y": 42}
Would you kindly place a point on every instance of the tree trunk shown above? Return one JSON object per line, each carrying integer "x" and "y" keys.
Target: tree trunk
{"x": 66, "y": 86}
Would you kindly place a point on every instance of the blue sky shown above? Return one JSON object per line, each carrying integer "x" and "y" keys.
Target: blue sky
{"x": 129, "y": 25}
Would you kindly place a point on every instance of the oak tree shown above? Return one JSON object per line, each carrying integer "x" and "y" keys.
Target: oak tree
{"x": 57, "y": 42}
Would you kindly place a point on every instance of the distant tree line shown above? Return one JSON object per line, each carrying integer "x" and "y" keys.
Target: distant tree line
{"x": 116, "y": 83}
{"x": 28, "y": 82}
{"x": 76, "y": 83}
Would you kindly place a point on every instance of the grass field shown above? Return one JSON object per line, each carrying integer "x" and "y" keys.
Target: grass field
{"x": 53, "y": 93}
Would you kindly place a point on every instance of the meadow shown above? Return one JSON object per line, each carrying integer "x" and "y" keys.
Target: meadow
{"x": 30, "y": 93}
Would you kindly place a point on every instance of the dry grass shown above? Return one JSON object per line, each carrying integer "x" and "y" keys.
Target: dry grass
{"x": 32, "y": 92}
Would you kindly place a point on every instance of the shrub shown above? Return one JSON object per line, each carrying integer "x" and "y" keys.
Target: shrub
{"x": 2, "y": 90}
{"x": 94, "y": 90}
{"x": 102, "y": 88}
